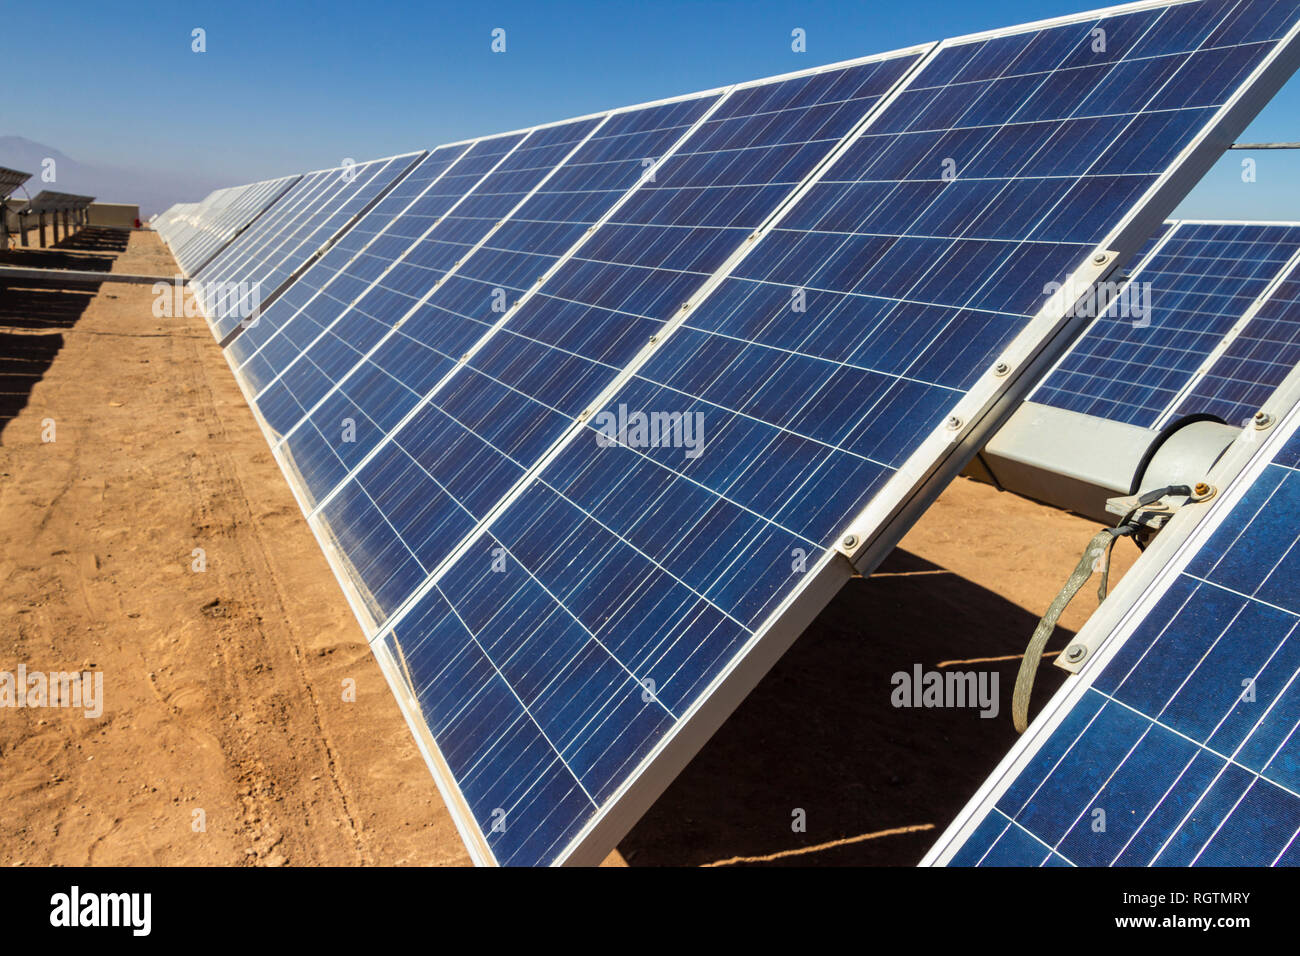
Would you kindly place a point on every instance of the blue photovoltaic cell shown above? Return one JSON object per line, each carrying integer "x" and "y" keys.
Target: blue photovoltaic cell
{"x": 349, "y": 266}
{"x": 340, "y": 196}
{"x": 377, "y": 392}
{"x": 363, "y": 287}
{"x": 309, "y": 375}
{"x": 1256, "y": 361}
{"x": 553, "y": 654}
{"x": 474, "y": 438}
{"x": 1130, "y": 366}
{"x": 1187, "y": 738}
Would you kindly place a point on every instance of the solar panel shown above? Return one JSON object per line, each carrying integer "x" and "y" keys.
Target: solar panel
{"x": 278, "y": 247}
{"x": 207, "y": 229}
{"x": 48, "y": 200}
{"x": 1177, "y": 745}
{"x": 358, "y": 258}
{"x": 642, "y": 592}
{"x": 11, "y": 179}
{"x": 369, "y": 275}
{"x": 1255, "y": 360}
{"x": 1197, "y": 285}
{"x": 461, "y": 436}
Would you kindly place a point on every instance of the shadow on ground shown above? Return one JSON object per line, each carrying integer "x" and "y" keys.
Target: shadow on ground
{"x": 820, "y": 734}
{"x": 33, "y": 316}
{"x": 96, "y": 239}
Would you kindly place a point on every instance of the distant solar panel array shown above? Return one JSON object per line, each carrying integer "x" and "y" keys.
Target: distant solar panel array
{"x": 196, "y": 232}
{"x": 11, "y": 179}
{"x": 818, "y": 289}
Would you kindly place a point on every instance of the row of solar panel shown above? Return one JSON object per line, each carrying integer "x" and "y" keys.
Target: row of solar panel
{"x": 791, "y": 261}
{"x": 197, "y": 231}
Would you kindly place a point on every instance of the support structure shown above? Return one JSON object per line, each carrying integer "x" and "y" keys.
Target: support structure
{"x": 1077, "y": 462}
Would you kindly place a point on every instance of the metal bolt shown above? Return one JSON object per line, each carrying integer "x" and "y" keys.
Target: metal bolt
{"x": 953, "y": 423}
{"x": 653, "y": 339}
{"x": 1201, "y": 489}
{"x": 1001, "y": 368}
{"x": 1263, "y": 419}
{"x": 1075, "y": 653}
{"x": 1100, "y": 258}
{"x": 586, "y": 413}
{"x": 850, "y": 541}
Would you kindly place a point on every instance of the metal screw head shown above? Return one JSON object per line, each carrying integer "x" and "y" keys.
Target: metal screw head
{"x": 1263, "y": 419}
{"x": 1201, "y": 489}
{"x": 654, "y": 338}
{"x": 1100, "y": 258}
{"x": 584, "y": 414}
{"x": 1001, "y": 368}
{"x": 850, "y": 541}
{"x": 1075, "y": 653}
{"x": 953, "y": 423}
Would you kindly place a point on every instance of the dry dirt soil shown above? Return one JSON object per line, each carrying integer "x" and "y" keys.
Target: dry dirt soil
{"x": 226, "y": 738}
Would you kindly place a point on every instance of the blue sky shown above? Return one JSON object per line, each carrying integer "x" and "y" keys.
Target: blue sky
{"x": 285, "y": 87}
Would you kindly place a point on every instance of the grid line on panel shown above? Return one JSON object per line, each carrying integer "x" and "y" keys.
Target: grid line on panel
{"x": 1206, "y": 281}
{"x": 1254, "y": 360}
{"x": 385, "y": 257}
{"x": 357, "y": 189}
{"x": 266, "y": 248}
{"x": 337, "y": 227}
{"x": 446, "y": 270}
{"x": 484, "y": 327}
{"x": 262, "y": 238}
{"x": 552, "y": 296}
{"x": 578, "y": 430}
{"x": 281, "y": 215}
{"x": 340, "y": 263}
{"x": 232, "y": 222}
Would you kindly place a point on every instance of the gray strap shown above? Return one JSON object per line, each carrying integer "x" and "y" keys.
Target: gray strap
{"x": 1095, "y": 557}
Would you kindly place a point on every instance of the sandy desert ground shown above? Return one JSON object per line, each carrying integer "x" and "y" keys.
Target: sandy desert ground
{"x": 224, "y": 688}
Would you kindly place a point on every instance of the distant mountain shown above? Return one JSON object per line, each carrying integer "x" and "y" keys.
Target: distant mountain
{"x": 152, "y": 189}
